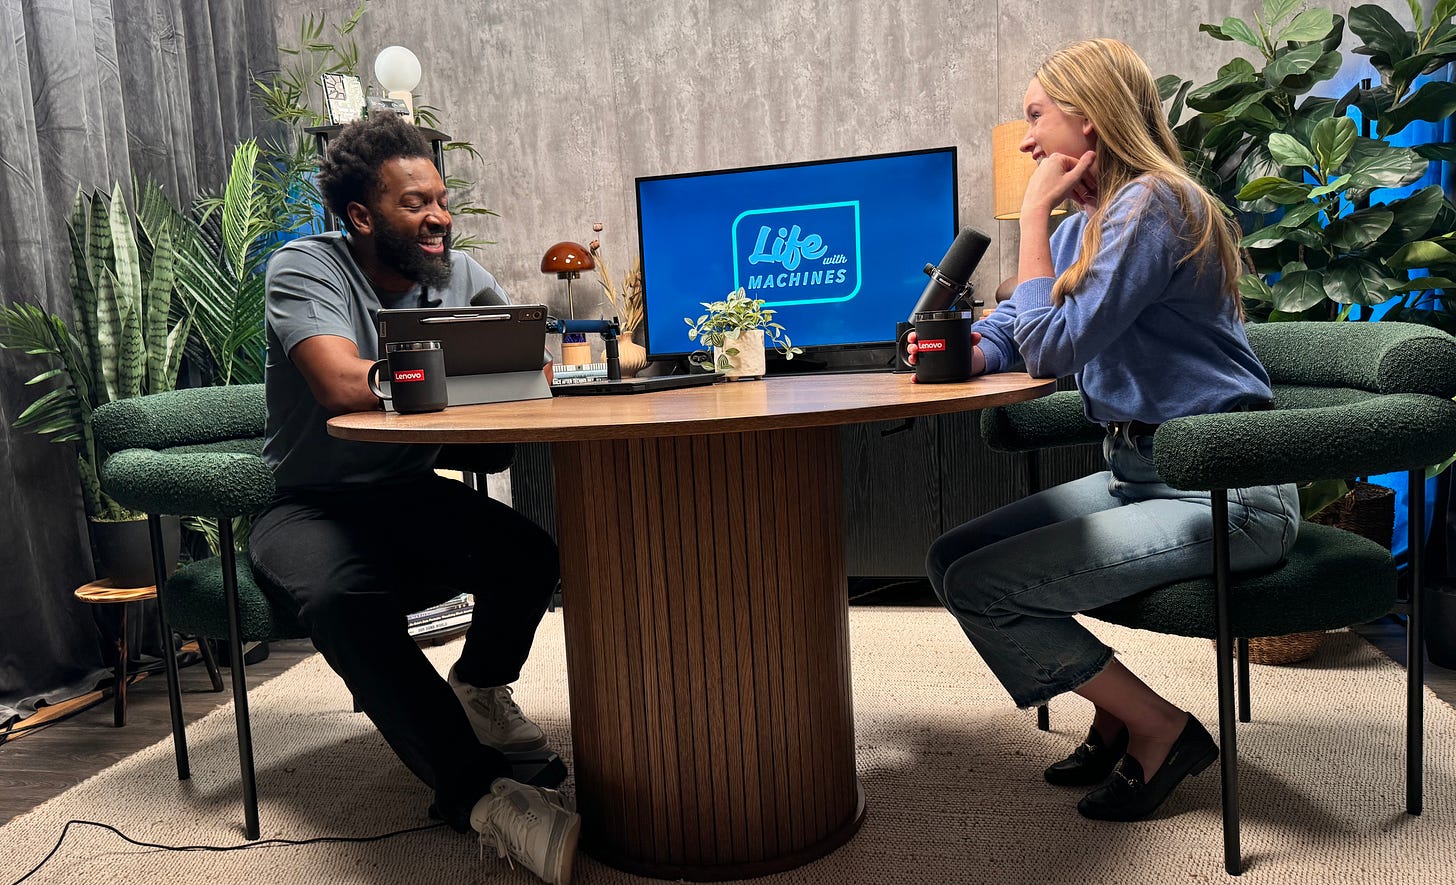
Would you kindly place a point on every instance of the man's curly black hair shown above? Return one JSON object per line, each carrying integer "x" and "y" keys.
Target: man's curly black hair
{"x": 349, "y": 171}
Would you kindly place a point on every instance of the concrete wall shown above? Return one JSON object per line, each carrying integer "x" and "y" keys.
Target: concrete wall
{"x": 568, "y": 101}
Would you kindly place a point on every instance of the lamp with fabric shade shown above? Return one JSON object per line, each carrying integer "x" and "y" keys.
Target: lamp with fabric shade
{"x": 1011, "y": 169}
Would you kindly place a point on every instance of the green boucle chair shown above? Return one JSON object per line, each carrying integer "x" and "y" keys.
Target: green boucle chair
{"x": 1351, "y": 399}
{"x": 197, "y": 453}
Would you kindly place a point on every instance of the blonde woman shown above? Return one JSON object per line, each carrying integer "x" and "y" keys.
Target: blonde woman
{"x": 1134, "y": 294}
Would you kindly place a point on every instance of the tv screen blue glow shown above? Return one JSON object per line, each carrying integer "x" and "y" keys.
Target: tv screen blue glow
{"x": 837, "y": 247}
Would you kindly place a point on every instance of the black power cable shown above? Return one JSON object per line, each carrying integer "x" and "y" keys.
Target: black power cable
{"x": 261, "y": 843}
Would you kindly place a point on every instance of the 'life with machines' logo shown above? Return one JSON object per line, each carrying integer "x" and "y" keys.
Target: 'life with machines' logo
{"x": 798, "y": 254}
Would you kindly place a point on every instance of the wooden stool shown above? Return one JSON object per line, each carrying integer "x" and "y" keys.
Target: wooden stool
{"x": 102, "y": 593}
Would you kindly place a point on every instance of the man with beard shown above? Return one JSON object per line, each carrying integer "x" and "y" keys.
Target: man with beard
{"x": 361, "y": 534}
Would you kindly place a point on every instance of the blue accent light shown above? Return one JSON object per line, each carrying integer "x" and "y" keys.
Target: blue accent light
{"x": 1416, "y": 133}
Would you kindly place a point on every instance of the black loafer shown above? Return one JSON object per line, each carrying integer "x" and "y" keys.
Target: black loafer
{"x": 1127, "y": 796}
{"x": 1089, "y": 764}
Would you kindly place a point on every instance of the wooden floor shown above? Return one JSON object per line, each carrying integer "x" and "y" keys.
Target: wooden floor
{"x": 39, "y": 766}
{"x": 1388, "y": 635}
{"x": 42, "y": 765}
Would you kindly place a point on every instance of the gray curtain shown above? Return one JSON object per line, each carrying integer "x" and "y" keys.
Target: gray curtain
{"x": 92, "y": 92}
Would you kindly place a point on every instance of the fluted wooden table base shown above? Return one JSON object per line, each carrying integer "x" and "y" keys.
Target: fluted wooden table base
{"x": 706, "y": 623}
{"x": 708, "y": 651}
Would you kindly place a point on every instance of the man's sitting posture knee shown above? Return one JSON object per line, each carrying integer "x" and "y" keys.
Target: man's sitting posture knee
{"x": 330, "y": 543}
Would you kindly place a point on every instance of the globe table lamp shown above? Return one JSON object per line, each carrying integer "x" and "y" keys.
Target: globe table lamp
{"x": 398, "y": 71}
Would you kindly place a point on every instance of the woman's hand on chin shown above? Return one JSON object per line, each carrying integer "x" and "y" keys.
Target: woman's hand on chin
{"x": 1058, "y": 178}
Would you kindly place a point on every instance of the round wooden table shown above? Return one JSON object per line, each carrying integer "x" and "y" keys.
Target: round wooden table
{"x": 707, "y": 624}
{"x": 101, "y": 592}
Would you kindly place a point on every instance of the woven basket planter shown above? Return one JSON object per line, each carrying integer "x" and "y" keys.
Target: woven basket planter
{"x": 1368, "y": 510}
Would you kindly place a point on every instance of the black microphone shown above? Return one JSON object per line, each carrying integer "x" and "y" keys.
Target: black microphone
{"x": 952, "y": 279}
{"x": 486, "y": 297}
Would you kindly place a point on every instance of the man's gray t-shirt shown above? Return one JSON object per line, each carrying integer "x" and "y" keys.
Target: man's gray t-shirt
{"x": 315, "y": 288}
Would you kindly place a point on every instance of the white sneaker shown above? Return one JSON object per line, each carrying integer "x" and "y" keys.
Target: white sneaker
{"x": 496, "y": 718}
{"x": 523, "y": 824}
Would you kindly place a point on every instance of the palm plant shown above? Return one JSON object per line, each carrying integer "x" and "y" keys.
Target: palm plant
{"x": 222, "y": 251}
{"x": 291, "y": 96}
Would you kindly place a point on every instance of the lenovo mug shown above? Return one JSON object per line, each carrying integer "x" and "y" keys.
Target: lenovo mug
{"x": 416, "y": 376}
{"x": 943, "y": 346}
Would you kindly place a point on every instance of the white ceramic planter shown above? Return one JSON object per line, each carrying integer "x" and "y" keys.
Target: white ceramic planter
{"x": 748, "y": 363}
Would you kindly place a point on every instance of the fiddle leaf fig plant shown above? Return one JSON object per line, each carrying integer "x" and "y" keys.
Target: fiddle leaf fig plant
{"x": 1302, "y": 177}
{"x": 1321, "y": 245}
{"x": 738, "y": 313}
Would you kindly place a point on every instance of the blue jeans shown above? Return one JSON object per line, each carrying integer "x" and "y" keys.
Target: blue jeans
{"x": 1014, "y": 577}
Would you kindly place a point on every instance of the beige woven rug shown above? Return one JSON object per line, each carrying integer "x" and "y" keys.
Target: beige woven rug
{"x": 952, "y": 773}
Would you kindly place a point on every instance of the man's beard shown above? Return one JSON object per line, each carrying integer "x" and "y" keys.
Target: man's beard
{"x": 402, "y": 254}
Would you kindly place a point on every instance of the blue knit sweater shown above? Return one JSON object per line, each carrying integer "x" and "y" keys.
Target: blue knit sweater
{"x": 1148, "y": 339}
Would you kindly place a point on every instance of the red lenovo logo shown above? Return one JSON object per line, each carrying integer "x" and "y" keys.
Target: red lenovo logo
{"x": 924, "y": 345}
{"x": 409, "y": 375}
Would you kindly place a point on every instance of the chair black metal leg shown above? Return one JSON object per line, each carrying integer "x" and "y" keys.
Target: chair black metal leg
{"x": 1245, "y": 707}
{"x": 209, "y": 660}
{"x": 1032, "y": 462}
{"x": 1227, "y": 738}
{"x": 169, "y": 661}
{"x": 240, "y": 680}
{"x": 1415, "y": 655}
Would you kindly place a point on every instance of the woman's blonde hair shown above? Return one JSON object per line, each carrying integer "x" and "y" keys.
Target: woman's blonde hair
{"x": 1106, "y": 82}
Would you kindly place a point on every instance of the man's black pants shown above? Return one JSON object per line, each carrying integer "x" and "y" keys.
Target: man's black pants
{"x": 354, "y": 563}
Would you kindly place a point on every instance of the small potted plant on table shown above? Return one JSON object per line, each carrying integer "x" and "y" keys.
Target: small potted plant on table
{"x": 736, "y": 328}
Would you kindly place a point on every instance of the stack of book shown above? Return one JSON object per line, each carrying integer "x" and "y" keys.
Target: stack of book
{"x": 579, "y": 374}
{"x": 450, "y": 616}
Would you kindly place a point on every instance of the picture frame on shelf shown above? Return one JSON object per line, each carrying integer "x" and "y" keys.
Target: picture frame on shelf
{"x": 343, "y": 97}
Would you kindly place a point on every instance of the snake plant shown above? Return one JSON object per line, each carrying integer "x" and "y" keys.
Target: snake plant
{"x": 122, "y": 341}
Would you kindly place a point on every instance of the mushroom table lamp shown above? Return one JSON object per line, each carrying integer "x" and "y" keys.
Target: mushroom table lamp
{"x": 567, "y": 260}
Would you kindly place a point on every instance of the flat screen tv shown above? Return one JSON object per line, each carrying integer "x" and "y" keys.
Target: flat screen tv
{"x": 838, "y": 247}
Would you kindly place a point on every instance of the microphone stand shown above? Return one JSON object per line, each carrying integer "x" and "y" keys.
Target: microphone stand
{"x": 608, "y": 329}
